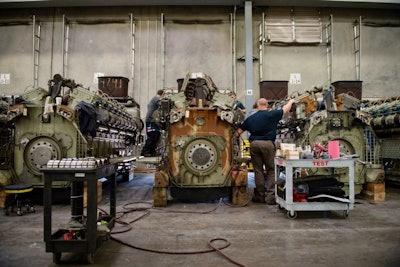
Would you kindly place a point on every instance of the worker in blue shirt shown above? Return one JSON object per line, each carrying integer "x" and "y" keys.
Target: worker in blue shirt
{"x": 237, "y": 103}
{"x": 262, "y": 127}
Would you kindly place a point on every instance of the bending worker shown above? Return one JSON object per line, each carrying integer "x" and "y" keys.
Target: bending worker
{"x": 262, "y": 127}
{"x": 152, "y": 130}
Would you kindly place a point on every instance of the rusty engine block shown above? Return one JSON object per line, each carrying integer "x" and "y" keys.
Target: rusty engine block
{"x": 199, "y": 160}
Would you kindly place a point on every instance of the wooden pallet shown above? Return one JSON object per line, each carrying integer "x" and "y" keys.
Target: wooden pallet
{"x": 145, "y": 170}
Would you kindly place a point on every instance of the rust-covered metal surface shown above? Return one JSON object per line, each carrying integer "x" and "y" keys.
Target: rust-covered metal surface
{"x": 200, "y": 155}
{"x": 208, "y": 144}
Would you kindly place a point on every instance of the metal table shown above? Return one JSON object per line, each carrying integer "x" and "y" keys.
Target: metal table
{"x": 287, "y": 203}
{"x": 56, "y": 242}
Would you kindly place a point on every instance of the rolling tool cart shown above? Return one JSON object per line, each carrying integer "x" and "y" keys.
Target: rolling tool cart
{"x": 82, "y": 234}
{"x": 293, "y": 201}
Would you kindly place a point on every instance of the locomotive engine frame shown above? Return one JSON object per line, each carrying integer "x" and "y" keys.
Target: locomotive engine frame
{"x": 199, "y": 161}
{"x": 311, "y": 123}
{"x": 68, "y": 121}
{"x": 386, "y": 123}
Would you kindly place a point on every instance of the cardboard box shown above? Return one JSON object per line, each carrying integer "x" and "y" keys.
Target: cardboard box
{"x": 374, "y": 187}
{"x": 374, "y": 192}
{"x": 292, "y": 154}
{"x": 374, "y": 197}
{"x": 288, "y": 146}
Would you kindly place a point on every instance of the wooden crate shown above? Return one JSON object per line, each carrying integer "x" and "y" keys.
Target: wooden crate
{"x": 99, "y": 193}
{"x": 353, "y": 88}
{"x": 274, "y": 90}
{"x": 374, "y": 192}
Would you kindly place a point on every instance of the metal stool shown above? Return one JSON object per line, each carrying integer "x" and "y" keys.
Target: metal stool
{"x": 19, "y": 201}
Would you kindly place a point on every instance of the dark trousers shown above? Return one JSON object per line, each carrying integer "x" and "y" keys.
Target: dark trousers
{"x": 153, "y": 135}
{"x": 262, "y": 154}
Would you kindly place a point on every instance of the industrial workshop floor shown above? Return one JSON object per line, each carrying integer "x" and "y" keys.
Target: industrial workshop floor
{"x": 255, "y": 235}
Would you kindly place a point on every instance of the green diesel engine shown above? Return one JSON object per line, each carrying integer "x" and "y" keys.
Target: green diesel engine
{"x": 386, "y": 123}
{"x": 313, "y": 123}
{"x": 67, "y": 121}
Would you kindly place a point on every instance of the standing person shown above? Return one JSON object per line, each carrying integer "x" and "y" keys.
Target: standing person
{"x": 237, "y": 103}
{"x": 152, "y": 130}
{"x": 262, "y": 127}
{"x": 254, "y": 109}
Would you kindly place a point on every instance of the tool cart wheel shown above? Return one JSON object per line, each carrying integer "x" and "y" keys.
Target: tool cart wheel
{"x": 30, "y": 209}
{"x": 291, "y": 214}
{"x": 57, "y": 257}
{"x": 90, "y": 258}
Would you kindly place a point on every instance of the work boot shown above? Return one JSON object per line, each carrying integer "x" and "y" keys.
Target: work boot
{"x": 271, "y": 200}
{"x": 257, "y": 197}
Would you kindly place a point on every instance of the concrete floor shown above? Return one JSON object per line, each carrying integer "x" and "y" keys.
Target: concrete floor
{"x": 259, "y": 235}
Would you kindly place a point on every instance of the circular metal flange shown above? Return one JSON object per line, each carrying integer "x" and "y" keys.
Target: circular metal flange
{"x": 201, "y": 156}
{"x": 39, "y": 151}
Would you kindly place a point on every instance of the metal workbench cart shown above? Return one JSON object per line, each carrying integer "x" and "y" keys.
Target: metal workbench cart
{"x": 286, "y": 201}
{"x": 83, "y": 233}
